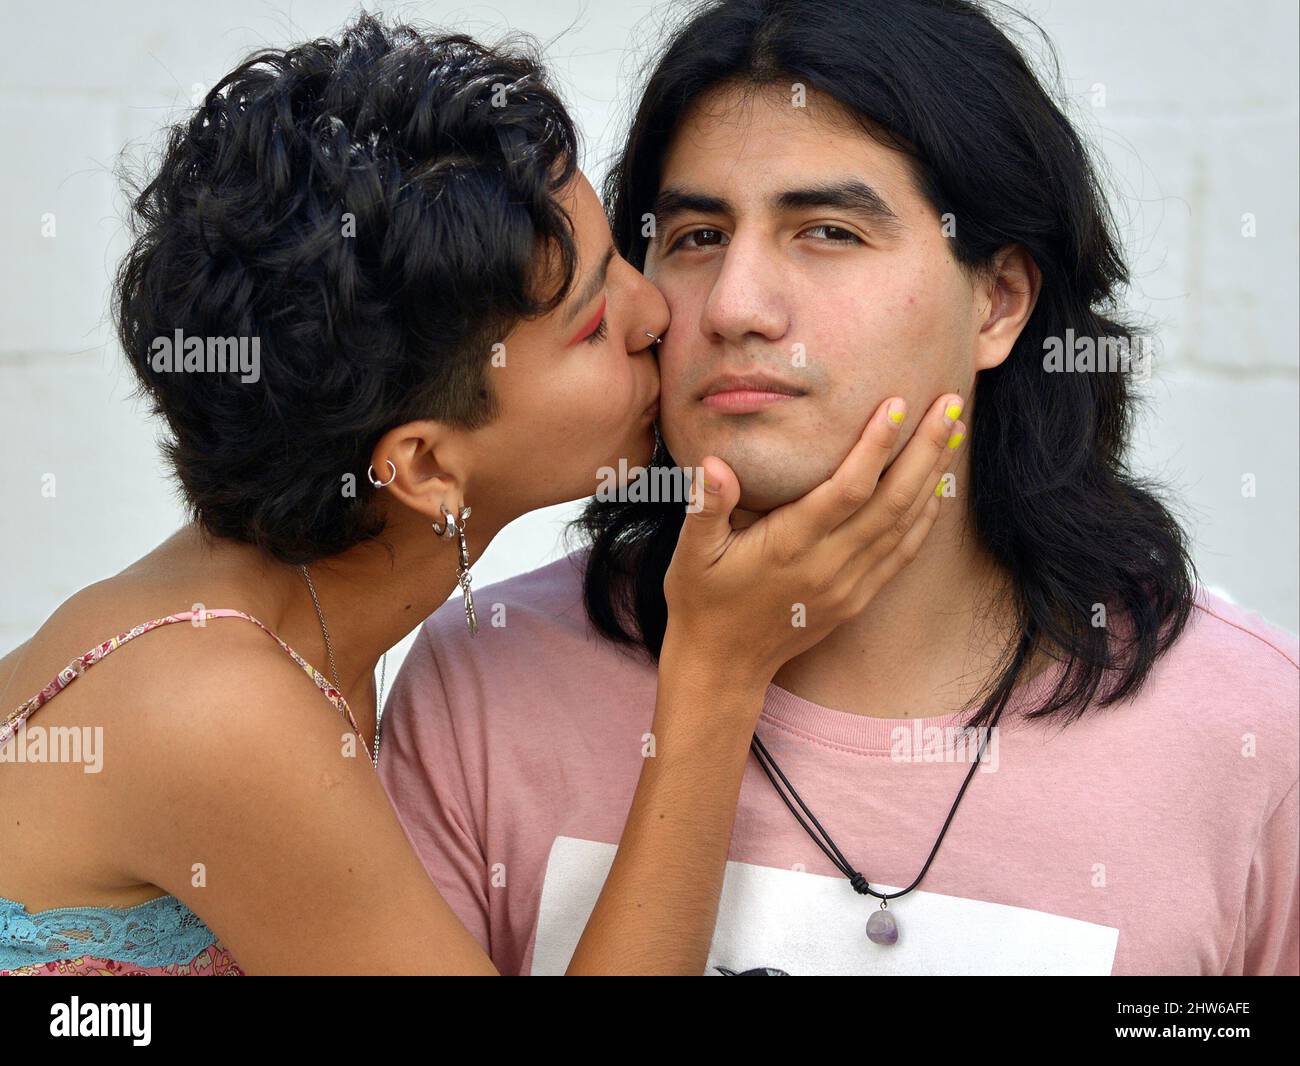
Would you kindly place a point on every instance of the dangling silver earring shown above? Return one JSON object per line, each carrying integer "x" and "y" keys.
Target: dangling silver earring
{"x": 447, "y": 532}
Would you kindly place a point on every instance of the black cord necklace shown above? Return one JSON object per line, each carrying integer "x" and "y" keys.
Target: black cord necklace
{"x": 881, "y": 926}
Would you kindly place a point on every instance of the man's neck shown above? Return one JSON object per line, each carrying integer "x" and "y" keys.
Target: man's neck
{"x": 928, "y": 642}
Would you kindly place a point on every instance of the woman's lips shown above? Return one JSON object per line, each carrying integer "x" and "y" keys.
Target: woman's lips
{"x": 744, "y": 401}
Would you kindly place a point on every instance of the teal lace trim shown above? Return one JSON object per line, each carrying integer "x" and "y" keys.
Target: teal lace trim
{"x": 158, "y": 932}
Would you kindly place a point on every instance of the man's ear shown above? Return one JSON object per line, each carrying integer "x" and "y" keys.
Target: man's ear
{"x": 1009, "y": 292}
{"x": 425, "y": 466}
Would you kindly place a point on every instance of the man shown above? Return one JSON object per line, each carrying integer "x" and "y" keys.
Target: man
{"x": 841, "y": 202}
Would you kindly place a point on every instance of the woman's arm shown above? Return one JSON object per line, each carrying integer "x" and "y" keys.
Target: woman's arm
{"x": 657, "y": 909}
{"x": 241, "y": 791}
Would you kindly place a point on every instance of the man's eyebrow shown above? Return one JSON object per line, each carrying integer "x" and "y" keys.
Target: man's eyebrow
{"x": 594, "y": 284}
{"x": 674, "y": 200}
{"x": 848, "y": 195}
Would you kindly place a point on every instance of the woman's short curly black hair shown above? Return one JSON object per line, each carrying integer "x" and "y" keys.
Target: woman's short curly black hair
{"x": 373, "y": 213}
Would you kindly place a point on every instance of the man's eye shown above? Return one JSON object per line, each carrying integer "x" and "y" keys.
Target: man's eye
{"x": 835, "y": 234}
{"x": 700, "y": 238}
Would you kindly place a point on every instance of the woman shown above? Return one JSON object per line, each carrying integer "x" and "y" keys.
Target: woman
{"x": 394, "y": 226}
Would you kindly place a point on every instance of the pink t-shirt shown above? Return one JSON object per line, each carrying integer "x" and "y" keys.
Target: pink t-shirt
{"x": 1155, "y": 837}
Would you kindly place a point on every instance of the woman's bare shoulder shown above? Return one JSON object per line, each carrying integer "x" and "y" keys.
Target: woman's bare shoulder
{"x": 98, "y": 613}
{"x": 173, "y": 717}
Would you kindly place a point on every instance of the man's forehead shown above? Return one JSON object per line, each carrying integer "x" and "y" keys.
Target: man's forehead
{"x": 753, "y": 165}
{"x": 770, "y": 113}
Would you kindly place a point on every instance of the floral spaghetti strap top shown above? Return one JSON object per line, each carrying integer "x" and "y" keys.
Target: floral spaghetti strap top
{"x": 161, "y": 936}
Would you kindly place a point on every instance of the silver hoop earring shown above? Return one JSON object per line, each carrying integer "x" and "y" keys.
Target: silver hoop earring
{"x": 392, "y": 473}
{"x": 448, "y": 531}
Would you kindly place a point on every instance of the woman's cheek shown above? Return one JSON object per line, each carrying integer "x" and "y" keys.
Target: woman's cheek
{"x": 600, "y": 424}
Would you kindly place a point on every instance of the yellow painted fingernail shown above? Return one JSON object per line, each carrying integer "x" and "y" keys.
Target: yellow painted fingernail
{"x": 952, "y": 412}
{"x": 956, "y": 439}
{"x": 896, "y": 413}
{"x": 938, "y": 489}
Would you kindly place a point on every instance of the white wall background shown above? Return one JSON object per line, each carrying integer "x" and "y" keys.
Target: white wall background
{"x": 1198, "y": 128}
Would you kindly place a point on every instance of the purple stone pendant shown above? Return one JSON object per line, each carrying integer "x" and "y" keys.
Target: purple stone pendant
{"x": 881, "y": 927}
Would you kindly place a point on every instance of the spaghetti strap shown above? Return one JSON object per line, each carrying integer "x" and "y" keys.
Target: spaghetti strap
{"x": 82, "y": 663}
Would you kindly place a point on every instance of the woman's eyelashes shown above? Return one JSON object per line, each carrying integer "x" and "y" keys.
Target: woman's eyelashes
{"x": 595, "y": 330}
{"x": 599, "y": 333}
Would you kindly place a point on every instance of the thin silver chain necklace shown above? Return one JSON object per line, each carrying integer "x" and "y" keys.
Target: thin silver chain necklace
{"x": 334, "y": 668}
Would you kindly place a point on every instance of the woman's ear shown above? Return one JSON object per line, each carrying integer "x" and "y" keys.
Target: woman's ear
{"x": 1010, "y": 293}
{"x": 424, "y": 465}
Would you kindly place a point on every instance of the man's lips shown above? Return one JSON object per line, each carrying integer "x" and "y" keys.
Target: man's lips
{"x": 747, "y": 393}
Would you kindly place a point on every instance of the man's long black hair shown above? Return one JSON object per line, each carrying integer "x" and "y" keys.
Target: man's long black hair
{"x": 1051, "y": 496}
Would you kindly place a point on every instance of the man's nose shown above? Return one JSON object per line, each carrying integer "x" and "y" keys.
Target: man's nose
{"x": 746, "y": 297}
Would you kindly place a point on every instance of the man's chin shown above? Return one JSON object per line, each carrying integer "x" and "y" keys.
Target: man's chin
{"x": 768, "y": 477}
{"x": 758, "y": 495}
